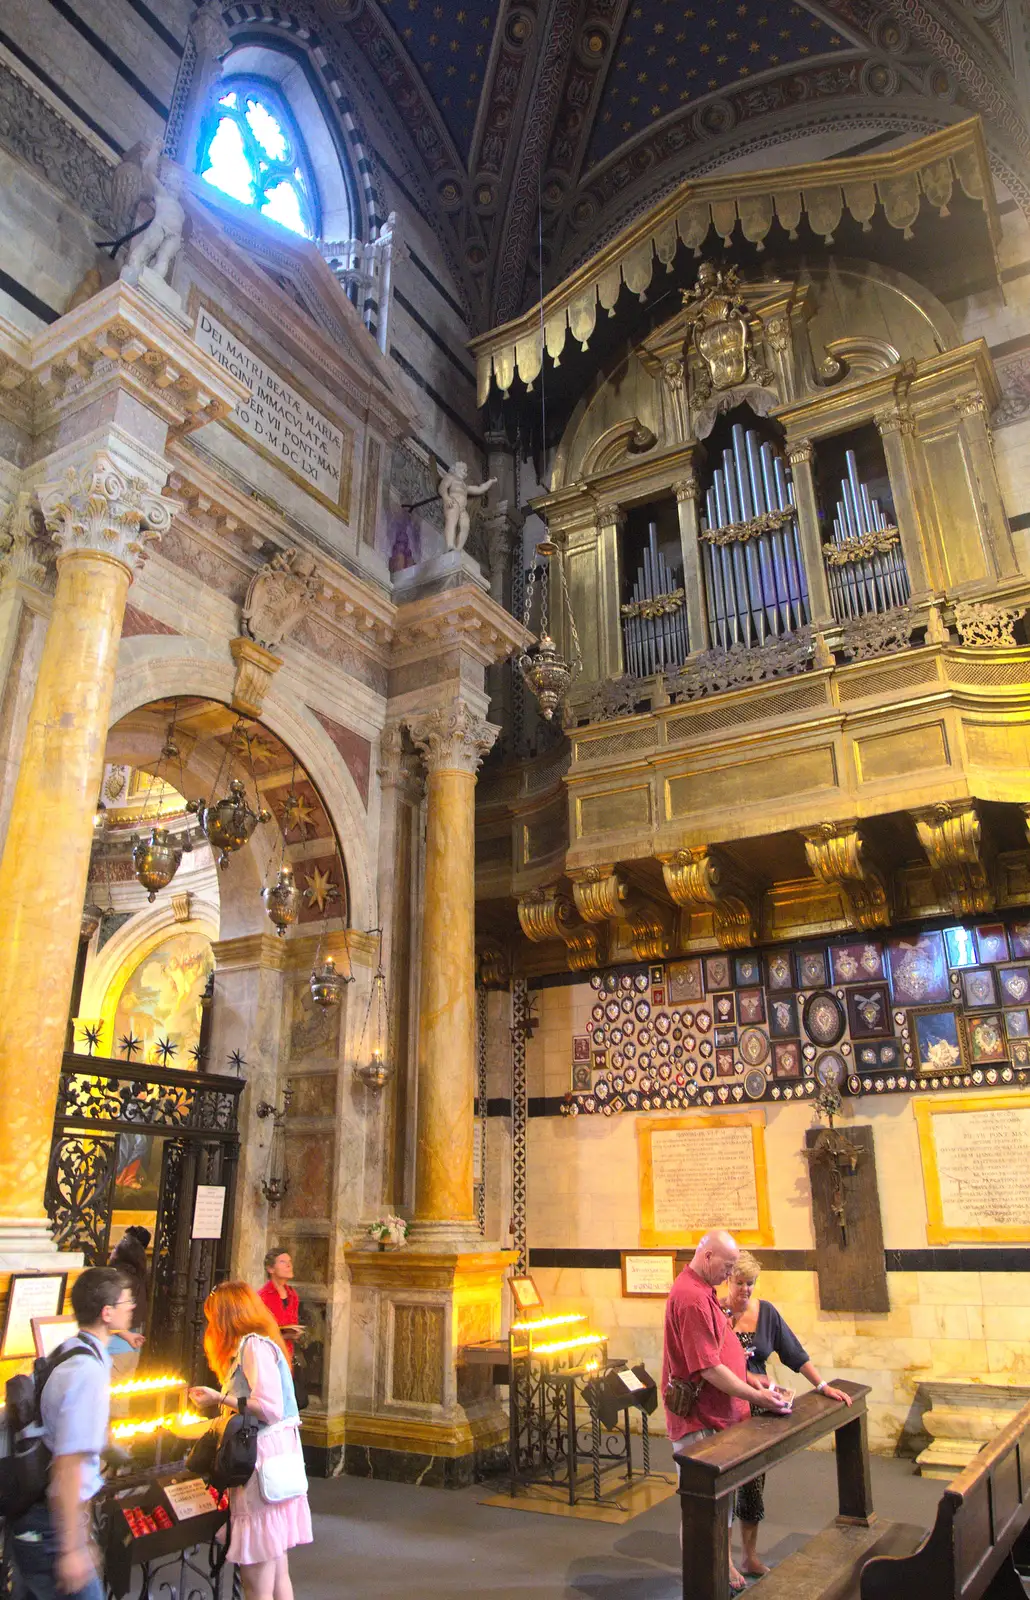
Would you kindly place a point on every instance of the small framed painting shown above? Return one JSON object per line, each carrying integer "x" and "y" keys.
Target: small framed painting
{"x": 986, "y": 1039}
{"x": 919, "y": 972}
{"x": 1019, "y": 938}
{"x": 978, "y": 988}
{"x": 856, "y": 963}
{"x": 787, "y": 1059}
{"x": 750, "y": 1006}
{"x": 1017, "y": 1024}
{"x": 812, "y": 973}
{"x": 685, "y": 982}
{"x": 783, "y": 1016}
{"x": 869, "y": 1012}
{"x": 992, "y": 943}
{"x": 51, "y": 1332}
{"x": 1019, "y": 1052}
{"x": 581, "y": 1047}
{"x": 778, "y": 971}
{"x": 580, "y": 1076}
{"x": 725, "y": 1065}
{"x": 526, "y": 1295}
{"x": 938, "y": 1039}
{"x": 958, "y": 942}
{"x": 725, "y": 1010}
{"x": 747, "y": 970}
{"x": 717, "y": 973}
{"x": 1014, "y": 983}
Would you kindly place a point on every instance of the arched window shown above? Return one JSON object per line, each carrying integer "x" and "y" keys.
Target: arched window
{"x": 252, "y": 150}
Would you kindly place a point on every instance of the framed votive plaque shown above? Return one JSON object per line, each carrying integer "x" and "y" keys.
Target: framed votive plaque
{"x": 30, "y": 1295}
{"x": 975, "y": 1160}
{"x": 648, "y": 1274}
{"x": 702, "y": 1171}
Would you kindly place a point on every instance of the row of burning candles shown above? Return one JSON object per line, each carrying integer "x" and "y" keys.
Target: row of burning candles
{"x": 178, "y": 1422}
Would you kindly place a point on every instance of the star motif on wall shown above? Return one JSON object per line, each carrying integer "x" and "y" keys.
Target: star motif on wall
{"x": 198, "y": 1056}
{"x": 296, "y": 812}
{"x": 165, "y": 1049}
{"x": 319, "y": 888}
{"x": 129, "y": 1044}
{"x": 237, "y": 1062}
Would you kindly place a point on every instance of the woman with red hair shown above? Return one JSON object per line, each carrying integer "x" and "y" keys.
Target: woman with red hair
{"x": 246, "y": 1352}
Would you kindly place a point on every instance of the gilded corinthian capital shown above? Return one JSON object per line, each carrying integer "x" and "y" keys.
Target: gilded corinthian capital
{"x": 98, "y": 506}
{"x": 452, "y": 738}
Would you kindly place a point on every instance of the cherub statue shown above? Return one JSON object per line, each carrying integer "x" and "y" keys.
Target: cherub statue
{"x": 159, "y": 243}
{"x": 454, "y": 493}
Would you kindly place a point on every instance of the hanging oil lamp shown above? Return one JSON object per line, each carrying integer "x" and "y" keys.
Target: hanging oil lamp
{"x": 372, "y": 1068}
{"x": 155, "y": 860}
{"x": 327, "y": 983}
{"x": 282, "y": 900}
{"x": 545, "y": 671}
{"x": 227, "y": 824}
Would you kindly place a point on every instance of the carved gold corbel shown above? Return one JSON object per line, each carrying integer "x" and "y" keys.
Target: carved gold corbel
{"x": 549, "y": 914}
{"x": 961, "y": 854}
{"x": 546, "y": 914}
{"x": 651, "y": 938}
{"x": 600, "y": 893}
{"x": 704, "y": 879}
{"x": 839, "y": 857}
{"x": 493, "y": 964}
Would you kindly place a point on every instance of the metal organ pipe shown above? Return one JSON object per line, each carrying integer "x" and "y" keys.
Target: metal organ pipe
{"x": 654, "y": 627}
{"x": 755, "y": 580}
{"x": 873, "y": 581}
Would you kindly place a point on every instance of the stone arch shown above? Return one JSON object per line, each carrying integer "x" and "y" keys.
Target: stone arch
{"x": 130, "y": 945}
{"x": 155, "y": 667}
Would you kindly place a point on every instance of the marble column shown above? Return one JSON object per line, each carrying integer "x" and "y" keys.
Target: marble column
{"x": 453, "y": 742}
{"x": 800, "y": 456}
{"x": 100, "y": 517}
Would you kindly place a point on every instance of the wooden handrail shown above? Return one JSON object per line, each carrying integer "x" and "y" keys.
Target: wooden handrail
{"x": 713, "y": 1469}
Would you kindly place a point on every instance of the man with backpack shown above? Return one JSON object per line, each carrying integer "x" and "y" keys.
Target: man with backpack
{"x": 51, "y": 1540}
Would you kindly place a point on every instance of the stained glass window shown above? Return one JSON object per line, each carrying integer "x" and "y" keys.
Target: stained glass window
{"x": 251, "y": 150}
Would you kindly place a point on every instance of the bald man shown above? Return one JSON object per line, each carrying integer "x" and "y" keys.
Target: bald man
{"x": 700, "y": 1345}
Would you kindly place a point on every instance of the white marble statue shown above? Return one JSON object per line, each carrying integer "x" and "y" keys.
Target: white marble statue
{"x": 159, "y": 243}
{"x": 454, "y": 493}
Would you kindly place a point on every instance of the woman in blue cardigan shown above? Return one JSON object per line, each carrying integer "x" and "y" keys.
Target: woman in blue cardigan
{"x": 761, "y": 1331}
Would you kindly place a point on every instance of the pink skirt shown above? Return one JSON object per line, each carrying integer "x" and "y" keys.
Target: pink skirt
{"x": 261, "y": 1532}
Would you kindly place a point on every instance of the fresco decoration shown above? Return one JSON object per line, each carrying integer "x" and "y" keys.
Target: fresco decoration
{"x": 161, "y": 997}
{"x": 936, "y": 1010}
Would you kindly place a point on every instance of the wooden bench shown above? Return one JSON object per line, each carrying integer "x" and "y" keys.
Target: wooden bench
{"x": 981, "y": 1525}
{"x": 827, "y": 1567}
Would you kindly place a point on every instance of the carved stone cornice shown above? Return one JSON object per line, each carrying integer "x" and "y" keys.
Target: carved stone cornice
{"x": 702, "y": 878}
{"x": 840, "y": 858}
{"x": 600, "y": 893}
{"x": 451, "y": 738}
{"x": 120, "y": 338}
{"x": 961, "y": 854}
{"x": 99, "y": 506}
{"x": 464, "y": 619}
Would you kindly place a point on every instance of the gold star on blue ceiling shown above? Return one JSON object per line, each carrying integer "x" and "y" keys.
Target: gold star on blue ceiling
{"x": 669, "y": 54}
{"x": 449, "y": 49}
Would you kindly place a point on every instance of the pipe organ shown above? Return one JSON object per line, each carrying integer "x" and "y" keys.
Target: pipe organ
{"x": 755, "y": 586}
{"x": 864, "y": 562}
{"x": 654, "y": 620}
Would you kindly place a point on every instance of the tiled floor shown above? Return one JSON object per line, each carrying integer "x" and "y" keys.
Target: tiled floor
{"x": 386, "y": 1539}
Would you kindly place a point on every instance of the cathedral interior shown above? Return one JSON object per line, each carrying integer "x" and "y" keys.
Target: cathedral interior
{"x": 515, "y": 709}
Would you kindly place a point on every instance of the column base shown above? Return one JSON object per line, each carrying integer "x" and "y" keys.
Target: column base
{"x": 452, "y": 1238}
{"x": 27, "y": 1245}
{"x": 416, "y": 1412}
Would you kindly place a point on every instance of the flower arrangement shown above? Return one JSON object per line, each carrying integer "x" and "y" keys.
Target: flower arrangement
{"x": 388, "y": 1230}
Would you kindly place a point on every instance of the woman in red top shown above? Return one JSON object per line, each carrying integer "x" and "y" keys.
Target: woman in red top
{"x": 281, "y": 1299}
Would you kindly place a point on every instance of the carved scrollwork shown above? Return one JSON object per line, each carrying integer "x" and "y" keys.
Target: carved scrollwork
{"x": 546, "y": 914}
{"x": 715, "y": 670}
{"x": 148, "y": 1100}
{"x": 979, "y": 622}
{"x": 877, "y": 635}
{"x": 960, "y": 853}
{"x": 838, "y": 856}
{"x": 702, "y": 878}
{"x": 79, "y": 1194}
{"x": 614, "y": 697}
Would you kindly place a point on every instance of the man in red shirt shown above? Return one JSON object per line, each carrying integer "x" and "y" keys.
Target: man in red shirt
{"x": 700, "y": 1344}
{"x": 281, "y": 1299}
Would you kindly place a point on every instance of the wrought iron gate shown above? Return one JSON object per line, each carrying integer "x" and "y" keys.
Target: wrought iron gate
{"x": 193, "y": 1115}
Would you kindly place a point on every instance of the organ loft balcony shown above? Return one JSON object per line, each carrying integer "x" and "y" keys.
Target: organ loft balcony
{"x": 804, "y": 697}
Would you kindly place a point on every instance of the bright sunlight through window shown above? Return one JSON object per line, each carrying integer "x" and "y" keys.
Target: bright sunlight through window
{"x": 252, "y": 151}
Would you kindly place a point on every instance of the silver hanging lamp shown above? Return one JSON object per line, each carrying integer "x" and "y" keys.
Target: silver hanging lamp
{"x": 547, "y": 673}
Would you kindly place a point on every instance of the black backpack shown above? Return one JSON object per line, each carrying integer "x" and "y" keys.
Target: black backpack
{"x": 226, "y": 1455}
{"x": 25, "y": 1471}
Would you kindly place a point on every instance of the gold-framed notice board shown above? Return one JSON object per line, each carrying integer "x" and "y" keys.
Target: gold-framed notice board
{"x": 976, "y": 1168}
{"x": 699, "y": 1172}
